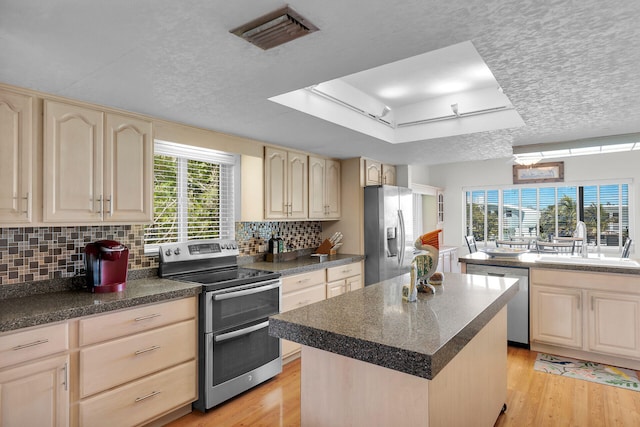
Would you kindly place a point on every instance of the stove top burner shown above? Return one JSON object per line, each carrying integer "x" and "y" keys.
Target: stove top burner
{"x": 216, "y": 279}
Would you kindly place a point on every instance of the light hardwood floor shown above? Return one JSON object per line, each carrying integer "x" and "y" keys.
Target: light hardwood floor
{"x": 533, "y": 399}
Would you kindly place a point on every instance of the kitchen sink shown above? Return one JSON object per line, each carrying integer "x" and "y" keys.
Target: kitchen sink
{"x": 592, "y": 260}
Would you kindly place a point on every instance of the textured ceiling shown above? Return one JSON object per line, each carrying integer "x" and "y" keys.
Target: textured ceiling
{"x": 569, "y": 67}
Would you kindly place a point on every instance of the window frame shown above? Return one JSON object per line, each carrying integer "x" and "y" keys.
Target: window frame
{"x": 501, "y": 188}
{"x": 184, "y": 153}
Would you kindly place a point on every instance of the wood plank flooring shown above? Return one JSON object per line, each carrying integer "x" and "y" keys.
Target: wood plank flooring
{"x": 533, "y": 399}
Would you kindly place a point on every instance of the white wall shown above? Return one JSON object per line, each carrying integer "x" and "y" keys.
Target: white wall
{"x": 454, "y": 176}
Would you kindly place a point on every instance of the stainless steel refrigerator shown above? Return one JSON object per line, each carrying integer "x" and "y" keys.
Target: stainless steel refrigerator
{"x": 388, "y": 235}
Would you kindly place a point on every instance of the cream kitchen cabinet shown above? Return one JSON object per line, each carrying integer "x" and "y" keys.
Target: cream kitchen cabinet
{"x": 138, "y": 364}
{"x": 448, "y": 260}
{"x": 298, "y": 291}
{"x": 285, "y": 184}
{"x": 377, "y": 173}
{"x": 98, "y": 167}
{"x": 588, "y": 315}
{"x": 34, "y": 377}
{"x": 16, "y": 158}
{"x": 324, "y": 188}
{"x": 344, "y": 279}
{"x": 372, "y": 172}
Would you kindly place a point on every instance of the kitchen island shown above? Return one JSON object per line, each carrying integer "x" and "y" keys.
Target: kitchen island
{"x": 369, "y": 358}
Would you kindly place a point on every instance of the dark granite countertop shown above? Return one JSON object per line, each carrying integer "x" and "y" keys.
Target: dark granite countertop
{"x": 305, "y": 264}
{"x": 375, "y": 325}
{"x": 39, "y": 309}
{"x": 564, "y": 262}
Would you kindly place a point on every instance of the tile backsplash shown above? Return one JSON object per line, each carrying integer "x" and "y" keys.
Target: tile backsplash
{"x": 40, "y": 253}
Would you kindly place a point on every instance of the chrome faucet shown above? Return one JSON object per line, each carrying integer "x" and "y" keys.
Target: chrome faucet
{"x": 581, "y": 231}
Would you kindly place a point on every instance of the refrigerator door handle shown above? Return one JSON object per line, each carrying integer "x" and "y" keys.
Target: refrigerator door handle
{"x": 402, "y": 237}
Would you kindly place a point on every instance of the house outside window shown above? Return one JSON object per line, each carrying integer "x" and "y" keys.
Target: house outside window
{"x": 547, "y": 212}
{"x": 193, "y": 195}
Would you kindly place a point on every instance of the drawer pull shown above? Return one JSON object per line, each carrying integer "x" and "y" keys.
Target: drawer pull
{"x": 146, "y": 350}
{"x": 31, "y": 344}
{"x": 303, "y": 280}
{"x": 346, "y": 271}
{"x": 305, "y": 302}
{"x": 149, "y": 316}
{"x": 153, "y": 393}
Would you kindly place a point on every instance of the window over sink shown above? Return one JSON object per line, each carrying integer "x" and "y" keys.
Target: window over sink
{"x": 193, "y": 198}
{"x": 550, "y": 211}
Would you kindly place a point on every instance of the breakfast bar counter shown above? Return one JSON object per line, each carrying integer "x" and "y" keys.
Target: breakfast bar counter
{"x": 370, "y": 358}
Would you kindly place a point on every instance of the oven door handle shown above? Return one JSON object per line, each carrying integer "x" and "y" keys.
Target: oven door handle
{"x": 236, "y": 294}
{"x": 239, "y": 332}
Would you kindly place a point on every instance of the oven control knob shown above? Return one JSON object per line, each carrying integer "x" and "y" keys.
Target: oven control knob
{"x": 234, "y": 246}
{"x": 168, "y": 252}
{"x": 177, "y": 251}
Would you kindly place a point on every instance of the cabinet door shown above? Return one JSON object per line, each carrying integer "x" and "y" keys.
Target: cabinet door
{"x": 336, "y": 288}
{"x": 317, "y": 205}
{"x": 275, "y": 184}
{"x": 128, "y": 170}
{"x": 556, "y": 316}
{"x": 36, "y": 394}
{"x": 332, "y": 188}
{"x": 297, "y": 184}
{"x": 614, "y": 324}
{"x": 372, "y": 172}
{"x": 388, "y": 174}
{"x": 354, "y": 283}
{"x": 72, "y": 163}
{"x": 16, "y": 145}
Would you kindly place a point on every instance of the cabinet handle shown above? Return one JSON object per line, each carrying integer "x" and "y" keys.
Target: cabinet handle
{"x": 27, "y": 199}
{"x": 592, "y": 302}
{"x": 305, "y": 302}
{"x": 110, "y": 206}
{"x": 495, "y": 274}
{"x": 66, "y": 376}
{"x": 579, "y": 301}
{"x": 146, "y": 350}
{"x": 100, "y": 203}
{"x": 303, "y": 280}
{"x": 148, "y": 316}
{"x": 31, "y": 344}
{"x": 153, "y": 393}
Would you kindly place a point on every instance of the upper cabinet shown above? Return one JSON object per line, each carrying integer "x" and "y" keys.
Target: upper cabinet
{"x": 16, "y": 157}
{"x": 96, "y": 172}
{"x": 372, "y": 172}
{"x": 324, "y": 188}
{"x": 285, "y": 184}
{"x": 377, "y": 173}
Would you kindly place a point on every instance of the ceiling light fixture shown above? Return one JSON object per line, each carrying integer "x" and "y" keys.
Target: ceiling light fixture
{"x": 275, "y": 28}
{"x": 456, "y": 115}
{"x": 314, "y": 89}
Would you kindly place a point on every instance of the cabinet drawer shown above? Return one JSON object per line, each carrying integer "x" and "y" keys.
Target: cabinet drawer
{"x": 110, "y": 364}
{"x": 33, "y": 343}
{"x": 303, "y": 297}
{"x": 142, "y": 400}
{"x": 126, "y": 322}
{"x": 343, "y": 271}
{"x": 301, "y": 281}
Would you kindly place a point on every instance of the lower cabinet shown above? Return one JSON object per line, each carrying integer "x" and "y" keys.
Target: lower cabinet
{"x": 595, "y": 316}
{"x": 297, "y": 291}
{"x": 141, "y": 368}
{"x": 34, "y": 377}
{"x": 36, "y": 394}
{"x": 343, "y": 279}
{"x": 303, "y": 289}
{"x": 448, "y": 260}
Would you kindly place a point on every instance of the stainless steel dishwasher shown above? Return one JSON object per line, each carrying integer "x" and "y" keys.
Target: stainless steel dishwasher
{"x": 518, "y": 307}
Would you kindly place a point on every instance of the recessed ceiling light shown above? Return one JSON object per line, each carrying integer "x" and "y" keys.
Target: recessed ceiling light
{"x": 393, "y": 92}
{"x": 448, "y": 87}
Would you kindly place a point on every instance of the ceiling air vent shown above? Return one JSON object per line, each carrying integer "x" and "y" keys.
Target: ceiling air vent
{"x": 275, "y": 28}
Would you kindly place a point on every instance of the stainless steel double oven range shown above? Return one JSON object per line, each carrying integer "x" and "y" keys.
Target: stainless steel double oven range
{"x": 235, "y": 349}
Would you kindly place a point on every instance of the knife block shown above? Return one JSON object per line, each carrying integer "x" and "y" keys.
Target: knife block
{"x": 325, "y": 248}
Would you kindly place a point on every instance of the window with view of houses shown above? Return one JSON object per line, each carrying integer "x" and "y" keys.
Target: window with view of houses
{"x": 546, "y": 212}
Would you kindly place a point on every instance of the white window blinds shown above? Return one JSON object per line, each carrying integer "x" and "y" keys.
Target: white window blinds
{"x": 193, "y": 194}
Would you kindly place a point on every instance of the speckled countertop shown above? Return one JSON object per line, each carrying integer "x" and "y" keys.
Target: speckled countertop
{"x": 39, "y": 309}
{"x": 533, "y": 260}
{"x": 304, "y": 264}
{"x": 375, "y": 325}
